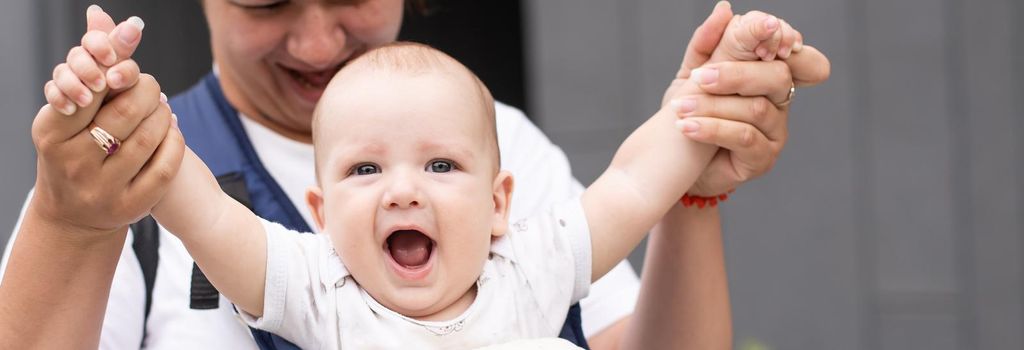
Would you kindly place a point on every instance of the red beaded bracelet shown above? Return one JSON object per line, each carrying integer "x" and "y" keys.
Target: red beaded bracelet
{"x": 689, "y": 200}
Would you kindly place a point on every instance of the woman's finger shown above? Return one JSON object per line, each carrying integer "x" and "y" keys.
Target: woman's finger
{"x": 122, "y": 115}
{"x": 757, "y": 111}
{"x": 750, "y": 152}
{"x": 152, "y": 180}
{"x": 138, "y": 148}
{"x": 126, "y": 36}
{"x": 71, "y": 86}
{"x": 809, "y": 66}
{"x": 732, "y": 135}
{"x": 97, "y": 19}
{"x": 770, "y": 79}
{"x": 84, "y": 66}
{"x": 706, "y": 38}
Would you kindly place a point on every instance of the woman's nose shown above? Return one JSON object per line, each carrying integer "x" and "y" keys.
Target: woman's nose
{"x": 317, "y": 38}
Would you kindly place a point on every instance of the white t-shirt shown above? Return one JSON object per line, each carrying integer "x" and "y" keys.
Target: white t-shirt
{"x": 532, "y": 276}
{"x": 542, "y": 176}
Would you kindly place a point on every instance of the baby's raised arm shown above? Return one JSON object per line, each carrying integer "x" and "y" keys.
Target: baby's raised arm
{"x": 225, "y": 238}
{"x": 656, "y": 165}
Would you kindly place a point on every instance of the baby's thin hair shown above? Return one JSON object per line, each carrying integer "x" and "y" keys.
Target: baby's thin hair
{"x": 414, "y": 59}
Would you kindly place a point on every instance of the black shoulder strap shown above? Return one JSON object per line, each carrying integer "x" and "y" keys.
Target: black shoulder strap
{"x": 146, "y": 244}
{"x": 146, "y": 234}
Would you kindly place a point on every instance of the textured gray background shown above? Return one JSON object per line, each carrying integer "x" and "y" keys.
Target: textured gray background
{"x": 892, "y": 220}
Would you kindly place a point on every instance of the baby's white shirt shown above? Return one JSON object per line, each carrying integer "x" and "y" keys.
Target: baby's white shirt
{"x": 532, "y": 277}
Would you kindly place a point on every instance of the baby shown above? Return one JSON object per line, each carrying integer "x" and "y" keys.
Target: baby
{"x": 417, "y": 250}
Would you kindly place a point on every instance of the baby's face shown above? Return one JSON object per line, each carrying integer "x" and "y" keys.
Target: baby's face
{"x": 408, "y": 186}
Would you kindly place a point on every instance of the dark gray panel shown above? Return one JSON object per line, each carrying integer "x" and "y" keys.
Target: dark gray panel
{"x": 576, "y": 61}
{"x": 992, "y": 165}
{"x": 21, "y": 95}
{"x": 791, "y": 239}
{"x": 918, "y": 332}
{"x": 909, "y": 133}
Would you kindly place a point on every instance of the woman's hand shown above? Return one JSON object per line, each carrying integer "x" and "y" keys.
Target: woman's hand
{"x": 78, "y": 184}
{"x": 744, "y": 107}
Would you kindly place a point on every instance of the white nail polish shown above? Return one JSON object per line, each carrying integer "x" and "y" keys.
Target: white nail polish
{"x": 163, "y": 98}
{"x": 94, "y": 8}
{"x": 137, "y": 22}
{"x": 679, "y": 124}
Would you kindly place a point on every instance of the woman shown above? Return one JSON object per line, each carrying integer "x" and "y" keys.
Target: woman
{"x": 273, "y": 57}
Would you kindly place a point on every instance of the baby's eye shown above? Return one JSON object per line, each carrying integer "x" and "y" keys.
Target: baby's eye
{"x": 364, "y": 169}
{"x": 440, "y": 166}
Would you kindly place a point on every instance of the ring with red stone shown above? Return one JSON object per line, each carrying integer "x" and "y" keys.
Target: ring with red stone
{"x": 107, "y": 142}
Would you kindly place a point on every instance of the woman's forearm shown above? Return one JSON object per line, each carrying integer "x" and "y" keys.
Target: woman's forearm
{"x": 684, "y": 295}
{"x": 55, "y": 289}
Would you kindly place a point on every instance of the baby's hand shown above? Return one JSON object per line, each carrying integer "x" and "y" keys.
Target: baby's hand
{"x": 757, "y": 35}
{"x": 102, "y": 62}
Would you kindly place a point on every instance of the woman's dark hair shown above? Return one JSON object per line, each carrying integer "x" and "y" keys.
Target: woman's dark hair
{"x": 420, "y": 7}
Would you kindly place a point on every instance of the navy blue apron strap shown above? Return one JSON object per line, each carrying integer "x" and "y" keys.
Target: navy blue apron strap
{"x": 286, "y": 214}
{"x": 146, "y": 245}
{"x": 572, "y": 330}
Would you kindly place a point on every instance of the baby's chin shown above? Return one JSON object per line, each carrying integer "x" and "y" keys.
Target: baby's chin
{"x": 425, "y": 304}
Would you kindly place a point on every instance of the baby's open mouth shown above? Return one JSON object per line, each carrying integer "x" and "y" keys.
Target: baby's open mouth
{"x": 409, "y": 248}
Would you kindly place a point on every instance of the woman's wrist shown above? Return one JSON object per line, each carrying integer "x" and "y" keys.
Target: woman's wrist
{"x": 60, "y": 231}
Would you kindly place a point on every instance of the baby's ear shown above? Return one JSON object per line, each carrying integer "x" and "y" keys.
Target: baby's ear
{"x": 502, "y": 202}
{"x": 315, "y": 201}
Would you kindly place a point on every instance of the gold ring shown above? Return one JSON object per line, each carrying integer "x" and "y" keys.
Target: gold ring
{"x": 107, "y": 142}
{"x": 789, "y": 98}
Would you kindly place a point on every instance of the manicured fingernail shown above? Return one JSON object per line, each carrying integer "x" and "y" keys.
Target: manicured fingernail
{"x": 94, "y": 8}
{"x": 771, "y": 23}
{"x": 137, "y": 22}
{"x": 163, "y": 97}
{"x": 115, "y": 79}
{"x": 705, "y": 76}
{"x": 684, "y": 105}
{"x": 799, "y": 45}
{"x": 130, "y": 36}
{"x": 688, "y": 126}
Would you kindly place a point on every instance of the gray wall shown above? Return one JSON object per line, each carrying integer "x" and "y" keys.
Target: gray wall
{"x": 21, "y": 91}
{"x": 892, "y": 219}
